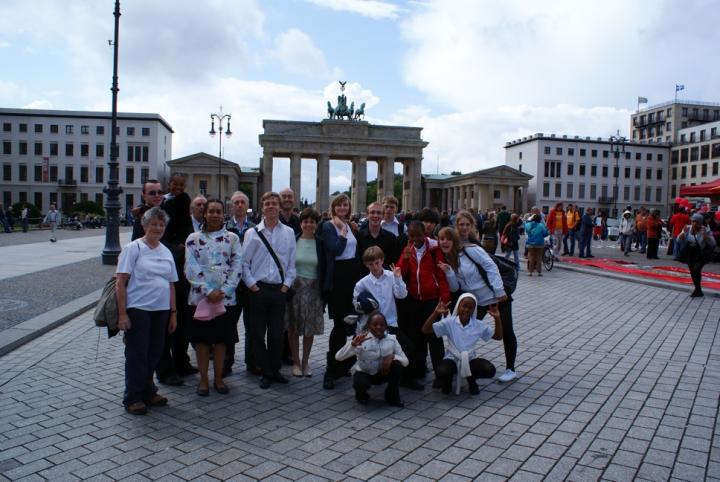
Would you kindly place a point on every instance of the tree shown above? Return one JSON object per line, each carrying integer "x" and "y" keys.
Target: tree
{"x": 33, "y": 212}
{"x": 87, "y": 207}
{"x": 456, "y": 173}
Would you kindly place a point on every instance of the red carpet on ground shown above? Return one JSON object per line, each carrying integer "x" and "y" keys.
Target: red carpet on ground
{"x": 620, "y": 266}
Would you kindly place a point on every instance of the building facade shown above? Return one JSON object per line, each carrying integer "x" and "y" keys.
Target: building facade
{"x": 60, "y": 157}
{"x": 585, "y": 171}
{"x": 483, "y": 190}
{"x": 695, "y": 157}
{"x": 661, "y": 123}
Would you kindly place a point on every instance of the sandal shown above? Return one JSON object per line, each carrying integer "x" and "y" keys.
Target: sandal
{"x": 137, "y": 408}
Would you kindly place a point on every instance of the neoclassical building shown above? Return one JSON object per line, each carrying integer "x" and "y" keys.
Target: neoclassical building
{"x": 203, "y": 170}
{"x": 482, "y": 190}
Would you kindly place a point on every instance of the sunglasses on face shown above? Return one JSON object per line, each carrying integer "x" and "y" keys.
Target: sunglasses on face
{"x": 154, "y": 193}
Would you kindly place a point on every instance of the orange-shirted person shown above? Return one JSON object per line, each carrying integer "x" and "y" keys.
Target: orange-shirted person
{"x": 557, "y": 225}
{"x": 654, "y": 228}
{"x": 573, "y": 224}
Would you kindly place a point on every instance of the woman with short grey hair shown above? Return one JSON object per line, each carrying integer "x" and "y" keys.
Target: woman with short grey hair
{"x": 145, "y": 294}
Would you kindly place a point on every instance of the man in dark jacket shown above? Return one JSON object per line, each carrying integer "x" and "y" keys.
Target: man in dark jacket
{"x": 586, "y": 230}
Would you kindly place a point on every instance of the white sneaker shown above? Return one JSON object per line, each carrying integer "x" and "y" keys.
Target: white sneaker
{"x": 507, "y": 376}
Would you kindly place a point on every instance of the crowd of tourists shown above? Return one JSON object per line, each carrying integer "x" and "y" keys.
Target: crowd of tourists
{"x": 395, "y": 291}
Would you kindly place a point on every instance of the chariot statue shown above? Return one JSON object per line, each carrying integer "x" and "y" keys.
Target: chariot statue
{"x": 341, "y": 110}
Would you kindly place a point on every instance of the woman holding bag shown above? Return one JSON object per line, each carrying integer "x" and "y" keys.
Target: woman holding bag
{"x": 213, "y": 266}
{"x": 698, "y": 247}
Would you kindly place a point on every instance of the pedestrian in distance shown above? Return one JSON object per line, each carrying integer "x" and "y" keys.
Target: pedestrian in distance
{"x": 654, "y": 229}
{"x": 587, "y": 229}
{"x": 536, "y": 233}
{"x": 52, "y": 218}
{"x": 627, "y": 228}
{"x": 147, "y": 309}
{"x": 698, "y": 249}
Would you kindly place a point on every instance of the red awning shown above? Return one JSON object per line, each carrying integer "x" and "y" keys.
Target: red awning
{"x": 708, "y": 189}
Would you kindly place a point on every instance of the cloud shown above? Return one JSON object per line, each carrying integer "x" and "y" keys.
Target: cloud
{"x": 4, "y": 44}
{"x": 368, "y": 8}
{"x": 39, "y": 104}
{"x": 299, "y": 55}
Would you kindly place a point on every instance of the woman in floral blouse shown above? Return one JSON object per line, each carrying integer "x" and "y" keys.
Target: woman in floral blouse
{"x": 213, "y": 266}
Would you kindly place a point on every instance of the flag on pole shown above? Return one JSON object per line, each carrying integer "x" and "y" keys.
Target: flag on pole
{"x": 642, "y": 100}
{"x": 679, "y": 87}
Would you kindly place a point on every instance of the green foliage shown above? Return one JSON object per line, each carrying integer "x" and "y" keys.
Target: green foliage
{"x": 456, "y": 173}
{"x": 87, "y": 207}
{"x": 33, "y": 211}
{"x": 397, "y": 190}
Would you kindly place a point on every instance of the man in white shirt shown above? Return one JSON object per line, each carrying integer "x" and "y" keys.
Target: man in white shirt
{"x": 197, "y": 212}
{"x": 268, "y": 285}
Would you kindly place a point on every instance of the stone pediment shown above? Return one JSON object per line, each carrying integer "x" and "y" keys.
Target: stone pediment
{"x": 200, "y": 160}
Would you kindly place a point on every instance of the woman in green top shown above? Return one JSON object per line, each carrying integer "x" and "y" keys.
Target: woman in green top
{"x": 305, "y": 310}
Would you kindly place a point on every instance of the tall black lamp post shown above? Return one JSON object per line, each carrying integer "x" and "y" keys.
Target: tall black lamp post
{"x": 220, "y": 117}
{"x": 617, "y": 146}
{"x": 113, "y": 190}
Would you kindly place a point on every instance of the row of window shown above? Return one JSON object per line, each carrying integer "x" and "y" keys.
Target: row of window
{"x": 52, "y": 174}
{"x": 605, "y": 153}
{"x": 693, "y": 137}
{"x": 694, "y": 171}
{"x": 135, "y": 153}
{"x": 697, "y": 153}
{"x": 70, "y": 129}
{"x": 604, "y": 190}
{"x": 554, "y": 169}
{"x": 68, "y": 199}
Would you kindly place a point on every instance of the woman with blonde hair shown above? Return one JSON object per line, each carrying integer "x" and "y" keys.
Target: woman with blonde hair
{"x": 342, "y": 271}
{"x": 466, "y": 228}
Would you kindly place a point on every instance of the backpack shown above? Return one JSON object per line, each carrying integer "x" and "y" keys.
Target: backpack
{"x": 508, "y": 273}
{"x": 106, "y": 310}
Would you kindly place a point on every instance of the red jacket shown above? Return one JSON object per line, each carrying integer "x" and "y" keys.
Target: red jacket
{"x": 551, "y": 222}
{"x": 426, "y": 281}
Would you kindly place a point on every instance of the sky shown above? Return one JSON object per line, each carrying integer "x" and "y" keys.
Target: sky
{"x": 473, "y": 74}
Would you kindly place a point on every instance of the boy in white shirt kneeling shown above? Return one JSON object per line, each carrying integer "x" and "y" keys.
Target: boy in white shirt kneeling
{"x": 380, "y": 359}
{"x": 462, "y": 331}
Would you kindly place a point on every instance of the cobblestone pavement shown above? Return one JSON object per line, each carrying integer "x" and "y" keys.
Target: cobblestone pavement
{"x": 617, "y": 381}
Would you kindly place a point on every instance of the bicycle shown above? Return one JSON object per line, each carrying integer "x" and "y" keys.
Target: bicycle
{"x": 548, "y": 258}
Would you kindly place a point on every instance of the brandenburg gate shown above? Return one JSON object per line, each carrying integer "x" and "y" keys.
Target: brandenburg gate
{"x": 353, "y": 140}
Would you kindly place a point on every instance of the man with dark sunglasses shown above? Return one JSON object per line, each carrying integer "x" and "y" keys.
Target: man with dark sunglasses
{"x": 152, "y": 196}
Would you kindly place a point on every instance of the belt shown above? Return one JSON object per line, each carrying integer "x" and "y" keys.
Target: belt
{"x": 263, "y": 284}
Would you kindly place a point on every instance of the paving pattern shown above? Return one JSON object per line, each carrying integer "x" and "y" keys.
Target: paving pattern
{"x": 618, "y": 381}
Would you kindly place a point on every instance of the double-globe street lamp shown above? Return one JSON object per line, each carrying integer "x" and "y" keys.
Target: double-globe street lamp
{"x": 220, "y": 117}
{"x": 617, "y": 146}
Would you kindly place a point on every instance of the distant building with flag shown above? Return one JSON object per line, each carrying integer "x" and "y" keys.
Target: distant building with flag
{"x": 660, "y": 123}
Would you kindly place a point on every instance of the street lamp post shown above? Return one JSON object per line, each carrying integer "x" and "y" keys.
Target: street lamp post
{"x": 617, "y": 146}
{"x": 220, "y": 117}
{"x": 113, "y": 190}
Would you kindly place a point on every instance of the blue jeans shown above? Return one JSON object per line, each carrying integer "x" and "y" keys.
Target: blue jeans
{"x": 626, "y": 242}
{"x": 585, "y": 242}
{"x": 642, "y": 237}
{"x": 144, "y": 343}
{"x": 677, "y": 246}
{"x": 516, "y": 256}
{"x": 571, "y": 236}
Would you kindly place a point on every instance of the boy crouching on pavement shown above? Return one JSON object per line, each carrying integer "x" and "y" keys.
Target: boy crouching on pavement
{"x": 380, "y": 359}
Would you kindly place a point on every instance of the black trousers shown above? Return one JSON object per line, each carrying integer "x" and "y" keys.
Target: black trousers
{"x": 695, "y": 267}
{"x": 362, "y": 382}
{"x": 143, "y": 347}
{"x": 235, "y": 313}
{"x": 479, "y": 368}
{"x": 509, "y": 339}
{"x": 652, "y": 248}
{"x": 413, "y": 314}
{"x": 175, "y": 356}
{"x": 267, "y": 313}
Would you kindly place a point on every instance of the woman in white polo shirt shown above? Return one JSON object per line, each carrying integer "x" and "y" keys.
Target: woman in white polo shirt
{"x": 145, "y": 293}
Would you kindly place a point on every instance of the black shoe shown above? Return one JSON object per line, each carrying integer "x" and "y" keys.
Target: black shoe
{"x": 328, "y": 382}
{"x": 265, "y": 382}
{"x": 395, "y": 402}
{"x": 222, "y": 390}
{"x": 473, "y": 387}
{"x": 172, "y": 380}
{"x": 363, "y": 398}
{"x": 697, "y": 294}
{"x": 277, "y": 377}
{"x": 188, "y": 370}
{"x": 589, "y": 256}
{"x": 412, "y": 385}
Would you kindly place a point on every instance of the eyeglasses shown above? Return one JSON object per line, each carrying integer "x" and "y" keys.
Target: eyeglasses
{"x": 375, "y": 212}
{"x": 154, "y": 193}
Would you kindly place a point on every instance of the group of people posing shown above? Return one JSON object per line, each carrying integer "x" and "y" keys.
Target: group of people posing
{"x": 394, "y": 292}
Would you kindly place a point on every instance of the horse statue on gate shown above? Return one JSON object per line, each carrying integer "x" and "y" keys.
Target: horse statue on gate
{"x": 331, "y": 111}
{"x": 360, "y": 112}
